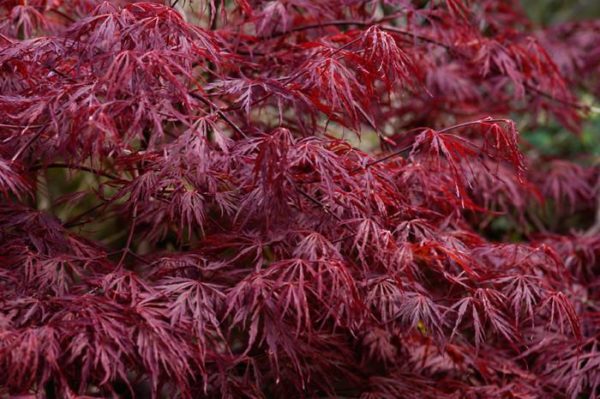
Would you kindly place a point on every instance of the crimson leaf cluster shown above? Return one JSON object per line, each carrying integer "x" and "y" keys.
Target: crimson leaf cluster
{"x": 193, "y": 204}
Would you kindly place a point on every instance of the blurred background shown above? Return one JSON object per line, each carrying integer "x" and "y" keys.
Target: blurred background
{"x": 547, "y": 12}
{"x": 552, "y": 140}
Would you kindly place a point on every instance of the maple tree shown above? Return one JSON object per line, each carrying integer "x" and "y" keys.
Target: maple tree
{"x": 192, "y": 204}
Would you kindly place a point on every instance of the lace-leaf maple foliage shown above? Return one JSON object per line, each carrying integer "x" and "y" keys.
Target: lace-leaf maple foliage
{"x": 186, "y": 211}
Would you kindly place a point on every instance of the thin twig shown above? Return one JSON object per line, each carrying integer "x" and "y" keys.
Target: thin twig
{"x": 416, "y": 36}
{"x": 470, "y": 123}
{"x": 325, "y": 209}
{"x": 26, "y": 145}
{"x": 62, "y": 14}
{"x": 388, "y": 28}
{"x": 385, "y": 158}
{"x": 219, "y": 112}
{"x": 76, "y": 221}
{"x": 445, "y": 130}
{"x": 76, "y": 167}
{"x": 127, "y": 250}
{"x": 319, "y": 203}
{"x": 569, "y": 103}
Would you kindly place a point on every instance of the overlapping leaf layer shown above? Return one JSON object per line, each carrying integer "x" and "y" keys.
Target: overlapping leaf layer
{"x": 186, "y": 210}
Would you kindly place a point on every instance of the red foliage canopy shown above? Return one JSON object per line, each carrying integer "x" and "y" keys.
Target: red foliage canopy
{"x": 258, "y": 252}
